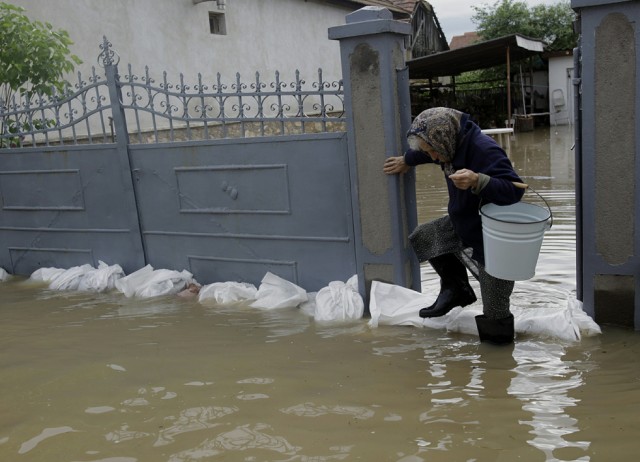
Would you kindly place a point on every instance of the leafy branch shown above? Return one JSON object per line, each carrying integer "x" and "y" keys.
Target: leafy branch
{"x": 34, "y": 58}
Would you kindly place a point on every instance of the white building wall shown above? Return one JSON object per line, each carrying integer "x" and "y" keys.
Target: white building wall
{"x": 560, "y": 78}
{"x": 174, "y": 35}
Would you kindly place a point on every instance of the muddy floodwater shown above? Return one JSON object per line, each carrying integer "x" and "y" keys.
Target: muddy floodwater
{"x": 99, "y": 377}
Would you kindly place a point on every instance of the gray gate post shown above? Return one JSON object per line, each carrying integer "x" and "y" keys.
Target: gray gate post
{"x": 122, "y": 142}
{"x": 608, "y": 161}
{"x": 378, "y": 114}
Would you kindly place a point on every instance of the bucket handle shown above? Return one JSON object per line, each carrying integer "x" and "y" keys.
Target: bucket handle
{"x": 525, "y": 186}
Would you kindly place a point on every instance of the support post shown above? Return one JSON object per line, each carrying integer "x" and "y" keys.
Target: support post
{"x": 509, "y": 87}
{"x": 378, "y": 114}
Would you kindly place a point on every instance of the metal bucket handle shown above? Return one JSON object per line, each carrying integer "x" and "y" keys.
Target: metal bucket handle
{"x": 527, "y": 187}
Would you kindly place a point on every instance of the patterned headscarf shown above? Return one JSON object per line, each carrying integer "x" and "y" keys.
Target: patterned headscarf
{"x": 439, "y": 127}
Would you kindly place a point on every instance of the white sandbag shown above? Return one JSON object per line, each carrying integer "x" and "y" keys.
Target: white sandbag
{"x": 461, "y": 319}
{"x": 70, "y": 278}
{"x": 130, "y": 283}
{"x": 275, "y": 292}
{"x": 46, "y": 274}
{"x": 309, "y": 307}
{"x": 567, "y": 323}
{"x": 546, "y": 322}
{"x": 394, "y": 305}
{"x": 339, "y": 301}
{"x": 586, "y": 325}
{"x": 147, "y": 282}
{"x": 102, "y": 278}
{"x": 390, "y": 304}
{"x": 4, "y": 276}
{"x": 165, "y": 282}
{"x": 227, "y": 292}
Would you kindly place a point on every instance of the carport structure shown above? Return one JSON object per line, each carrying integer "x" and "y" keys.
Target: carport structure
{"x": 482, "y": 55}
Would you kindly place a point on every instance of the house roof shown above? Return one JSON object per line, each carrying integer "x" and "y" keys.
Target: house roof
{"x": 405, "y": 4}
{"x": 388, "y": 4}
{"x": 459, "y": 41}
{"x": 480, "y": 55}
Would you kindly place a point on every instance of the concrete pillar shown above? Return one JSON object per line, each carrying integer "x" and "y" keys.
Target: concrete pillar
{"x": 607, "y": 160}
{"x": 377, "y": 105}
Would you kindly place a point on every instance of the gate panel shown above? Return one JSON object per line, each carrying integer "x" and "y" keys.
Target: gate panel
{"x": 62, "y": 207}
{"x": 231, "y": 210}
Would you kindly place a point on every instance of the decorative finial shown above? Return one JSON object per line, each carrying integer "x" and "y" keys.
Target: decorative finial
{"x": 106, "y": 56}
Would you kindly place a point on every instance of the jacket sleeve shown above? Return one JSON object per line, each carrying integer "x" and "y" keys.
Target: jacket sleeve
{"x": 490, "y": 159}
{"x": 413, "y": 157}
{"x": 499, "y": 189}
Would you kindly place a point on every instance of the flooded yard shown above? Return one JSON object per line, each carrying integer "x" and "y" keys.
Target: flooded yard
{"x": 100, "y": 377}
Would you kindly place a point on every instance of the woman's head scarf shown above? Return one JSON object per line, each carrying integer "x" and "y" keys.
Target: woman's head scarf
{"x": 439, "y": 128}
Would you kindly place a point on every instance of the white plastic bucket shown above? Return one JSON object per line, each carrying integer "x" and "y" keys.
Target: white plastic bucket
{"x": 512, "y": 237}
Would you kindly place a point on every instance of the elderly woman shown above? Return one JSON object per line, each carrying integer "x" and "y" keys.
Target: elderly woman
{"x": 477, "y": 170}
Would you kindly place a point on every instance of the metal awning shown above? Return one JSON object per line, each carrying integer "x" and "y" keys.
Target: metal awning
{"x": 480, "y": 55}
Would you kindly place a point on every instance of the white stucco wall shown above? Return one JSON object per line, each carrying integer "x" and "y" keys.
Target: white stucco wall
{"x": 560, "y": 77}
{"x": 173, "y": 35}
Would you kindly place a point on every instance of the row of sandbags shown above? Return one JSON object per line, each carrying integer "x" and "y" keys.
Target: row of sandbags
{"x": 338, "y": 301}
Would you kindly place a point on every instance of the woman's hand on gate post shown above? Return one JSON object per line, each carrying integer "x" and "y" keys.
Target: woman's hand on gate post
{"x": 395, "y": 164}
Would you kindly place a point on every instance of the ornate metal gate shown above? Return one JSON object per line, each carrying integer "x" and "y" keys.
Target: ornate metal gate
{"x": 225, "y": 180}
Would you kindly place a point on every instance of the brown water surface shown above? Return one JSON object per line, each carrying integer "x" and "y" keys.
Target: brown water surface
{"x": 98, "y": 377}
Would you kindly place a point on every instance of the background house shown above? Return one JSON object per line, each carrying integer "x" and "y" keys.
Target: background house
{"x": 208, "y": 37}
{"x": 223, "y": 44}
{"x": 561, "y": 87}
{"x": 427, "y": 36}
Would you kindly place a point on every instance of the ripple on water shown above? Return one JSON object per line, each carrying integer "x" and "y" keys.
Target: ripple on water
{"x": 315, "y": 410}
{"x": 198, "y": 383}
{"x": 114, "y": 459}
{"x": 99, "y": 409}
{"x": 257, "y": 380}
{"x": 252, "y": 396}
{"x": 46, "y": 433}
{"x": 193, "y": 419}
{"x": 241, "y": 438}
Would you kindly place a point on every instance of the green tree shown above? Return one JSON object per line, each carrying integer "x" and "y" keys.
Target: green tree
{"x": 551, "y": 23}
{"x": 34, "y": 57}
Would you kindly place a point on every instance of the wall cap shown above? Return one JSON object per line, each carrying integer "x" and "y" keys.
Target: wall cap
{"x": 369, "y": 20}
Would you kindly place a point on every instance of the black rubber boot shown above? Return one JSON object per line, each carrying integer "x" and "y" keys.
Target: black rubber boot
{"x": 495, "y": 331}
{"x": 455, "y": 289}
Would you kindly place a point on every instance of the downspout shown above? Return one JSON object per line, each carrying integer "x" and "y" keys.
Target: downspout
{"x": 508, "y": 86}
{"x": 577, "y": 123}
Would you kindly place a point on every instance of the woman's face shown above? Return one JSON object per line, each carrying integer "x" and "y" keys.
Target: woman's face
{"x": 424, "y": 146}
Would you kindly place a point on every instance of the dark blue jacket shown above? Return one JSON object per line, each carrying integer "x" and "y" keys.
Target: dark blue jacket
{"x": 480, "y": 153}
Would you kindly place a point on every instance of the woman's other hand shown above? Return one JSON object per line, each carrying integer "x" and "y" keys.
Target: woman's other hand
{"x": 395, "y": 165}
{"x": 464, "y": 179}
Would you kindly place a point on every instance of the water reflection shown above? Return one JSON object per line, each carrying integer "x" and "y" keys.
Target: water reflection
{"x": 543, "y": 383}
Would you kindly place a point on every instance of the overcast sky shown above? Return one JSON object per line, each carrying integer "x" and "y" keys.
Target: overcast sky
{"x": 455, "y": 15}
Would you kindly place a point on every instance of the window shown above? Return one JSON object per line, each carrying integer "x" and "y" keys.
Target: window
{"x": 217, "y": 24}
